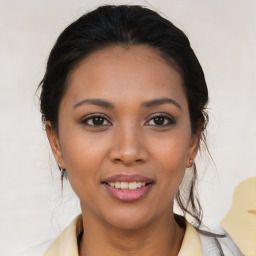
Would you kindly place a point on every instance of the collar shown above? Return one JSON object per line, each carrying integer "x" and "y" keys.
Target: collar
{"x": 66, "y": 243}
{"x": 191, "y": 244}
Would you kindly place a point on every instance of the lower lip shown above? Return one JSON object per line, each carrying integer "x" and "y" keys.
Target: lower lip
{"x": 128, "y": 195}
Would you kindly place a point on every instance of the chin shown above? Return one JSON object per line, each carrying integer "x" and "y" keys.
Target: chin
{"x": 129, "y": 218}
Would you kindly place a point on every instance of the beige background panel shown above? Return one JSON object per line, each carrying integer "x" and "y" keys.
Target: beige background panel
{"x": 240, "y": 222}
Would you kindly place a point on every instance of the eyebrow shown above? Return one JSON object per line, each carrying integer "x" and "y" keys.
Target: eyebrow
{"x": 107, "y": 104}
{"x": 161, "y": 101}
{"x": 97, "y": 102}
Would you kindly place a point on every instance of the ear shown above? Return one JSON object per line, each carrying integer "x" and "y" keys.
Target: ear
{"x": 193, "y": 148}
{"x": 54, "y": 143}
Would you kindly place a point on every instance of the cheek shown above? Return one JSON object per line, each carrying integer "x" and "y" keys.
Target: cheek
{"x": 173, "y": 155}
{"x": 172, "y": 163}
{"x": 171, "y": 158}
{"x": 172, "y": 149}
{"x": 83, "y": 156}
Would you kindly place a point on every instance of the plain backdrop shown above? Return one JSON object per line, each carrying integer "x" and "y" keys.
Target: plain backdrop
{"x": 223, "y": 35}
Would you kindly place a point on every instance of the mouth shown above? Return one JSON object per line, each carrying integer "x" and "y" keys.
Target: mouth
{"x": 126, "y": 185}
{"x": 128, "y": 188}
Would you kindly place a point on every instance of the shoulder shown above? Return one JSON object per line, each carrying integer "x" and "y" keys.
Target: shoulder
{"x": 200, "y": 242}
{"x": 214, "y": 244}
{"x": 66, "y": 243}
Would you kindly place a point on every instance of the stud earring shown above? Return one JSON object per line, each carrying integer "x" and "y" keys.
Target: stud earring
{"x": 190, "y": 163}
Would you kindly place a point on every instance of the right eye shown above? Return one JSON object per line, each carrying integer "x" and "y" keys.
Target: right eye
{"x": 96, "y": 120}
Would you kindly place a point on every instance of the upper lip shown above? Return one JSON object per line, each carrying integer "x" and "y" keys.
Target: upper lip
{"x": 128, "y": 178}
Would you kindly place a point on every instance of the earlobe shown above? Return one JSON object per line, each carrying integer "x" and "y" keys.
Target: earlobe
{"x": 54, "y": 142}
{"x": 193, "y": 149}
{"x": 190, "y": 163}
{"x": 194, "y": 143}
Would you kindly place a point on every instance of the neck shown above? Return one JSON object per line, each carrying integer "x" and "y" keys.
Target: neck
{"x": 163, "y": 237}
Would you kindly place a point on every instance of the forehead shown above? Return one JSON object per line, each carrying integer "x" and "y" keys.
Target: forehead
{"x": 130, "y": 72}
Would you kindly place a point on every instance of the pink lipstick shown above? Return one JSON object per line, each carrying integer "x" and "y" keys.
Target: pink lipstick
{"x": 128, "y": 188}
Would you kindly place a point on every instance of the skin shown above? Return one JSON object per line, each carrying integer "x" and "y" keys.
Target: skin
{"x": 129, "y": 140}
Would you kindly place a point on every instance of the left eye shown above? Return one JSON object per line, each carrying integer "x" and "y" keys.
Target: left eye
{"x": 96, "y": 121}
{"x": 161, "y": 121}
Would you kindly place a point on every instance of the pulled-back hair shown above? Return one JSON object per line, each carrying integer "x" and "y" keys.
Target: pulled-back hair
{"x": 128, "y": 25}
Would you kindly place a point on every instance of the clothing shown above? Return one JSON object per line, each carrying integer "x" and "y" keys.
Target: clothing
{"x": 194, "y": 243}
{"x": 221, "y": 245}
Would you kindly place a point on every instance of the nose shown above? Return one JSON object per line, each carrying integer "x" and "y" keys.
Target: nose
{"x": 128, "y": 146}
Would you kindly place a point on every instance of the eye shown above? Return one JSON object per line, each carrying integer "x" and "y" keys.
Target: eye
{"x": 161, "y": 120}
{"x": 95, "y": 120}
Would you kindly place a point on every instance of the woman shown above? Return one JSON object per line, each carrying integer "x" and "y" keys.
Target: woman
{"x": 123, "y": 102}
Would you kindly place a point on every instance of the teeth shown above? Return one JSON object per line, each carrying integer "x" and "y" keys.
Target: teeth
{"x": 127, "y": 185}
{"x": 117, "y": 184}
{"x": 133, "y": 185}
{"x": 124, "y": 185}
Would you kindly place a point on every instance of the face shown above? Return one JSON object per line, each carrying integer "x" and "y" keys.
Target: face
{"x": 124, "y": 135}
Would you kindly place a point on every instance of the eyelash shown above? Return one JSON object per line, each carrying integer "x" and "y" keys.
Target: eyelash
{"x": 170, "y": 120}
{"x": 94, "y": 116}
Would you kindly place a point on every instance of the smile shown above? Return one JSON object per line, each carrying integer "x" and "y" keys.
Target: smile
{"x": 127, "y": 185}
{"x": 128, "y": 188}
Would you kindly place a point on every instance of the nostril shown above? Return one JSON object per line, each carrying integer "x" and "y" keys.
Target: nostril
{"x": 128, "y": 154}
